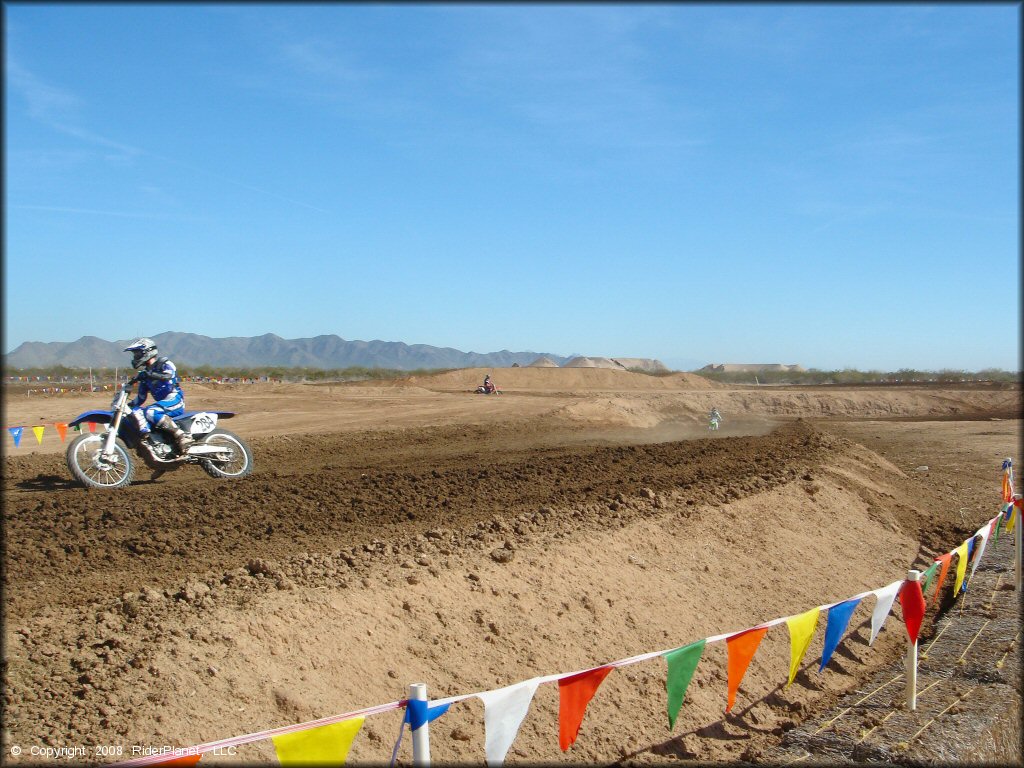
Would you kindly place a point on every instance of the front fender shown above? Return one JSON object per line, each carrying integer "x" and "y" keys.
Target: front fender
{"x": 97, "y": 417}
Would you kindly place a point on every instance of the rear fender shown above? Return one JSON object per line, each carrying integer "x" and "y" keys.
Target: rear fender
{"x": 201, "y": 422}
{"x": 198, "y": 423}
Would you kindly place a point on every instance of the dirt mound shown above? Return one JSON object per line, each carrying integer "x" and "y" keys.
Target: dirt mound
{"x": 562, "y": 380}
{"x": 543, "y": 362}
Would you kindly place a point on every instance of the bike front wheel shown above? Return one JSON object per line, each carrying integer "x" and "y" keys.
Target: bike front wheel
{"x": 90, "y": 467}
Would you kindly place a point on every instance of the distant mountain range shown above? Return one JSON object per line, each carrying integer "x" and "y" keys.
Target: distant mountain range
{"x": 327, "y": 352}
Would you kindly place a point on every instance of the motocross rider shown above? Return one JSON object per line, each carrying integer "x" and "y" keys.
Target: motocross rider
{"x": 488, "y": 384}
{"x": 157, "y": 377}
{"x": 715, "y": 415}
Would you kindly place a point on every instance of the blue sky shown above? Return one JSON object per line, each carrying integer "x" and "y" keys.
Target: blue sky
{"x": 828, "y": 185}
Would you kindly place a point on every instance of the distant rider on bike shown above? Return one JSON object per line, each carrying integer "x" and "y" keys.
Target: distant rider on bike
{"x": 714, "y": 419}
{"x": 157, "y": 377}
{"x": 488, "y": 385}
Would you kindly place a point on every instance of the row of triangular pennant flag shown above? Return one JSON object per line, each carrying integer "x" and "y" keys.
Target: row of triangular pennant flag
{"x": 328, "y": 741}
{"x": 38, "y": 431}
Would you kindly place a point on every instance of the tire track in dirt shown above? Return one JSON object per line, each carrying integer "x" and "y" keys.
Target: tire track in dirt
{"x": 67, "y": 546}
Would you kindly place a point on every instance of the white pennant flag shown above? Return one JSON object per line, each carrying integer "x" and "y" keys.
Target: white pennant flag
{"x": 984, "y": 531}
{"x": 504, "y": 711}
{"x": 883, "y": 604}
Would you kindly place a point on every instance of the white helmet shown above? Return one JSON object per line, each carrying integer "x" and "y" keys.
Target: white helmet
{"x": 143, "y": 350}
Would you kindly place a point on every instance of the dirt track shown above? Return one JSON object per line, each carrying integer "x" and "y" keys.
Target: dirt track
{"x": 343, "y": 492}
{"x": 486, "y": 532}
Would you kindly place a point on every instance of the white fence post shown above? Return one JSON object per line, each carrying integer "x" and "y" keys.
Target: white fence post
{"x": 421, "y": 735}
{"x": 911, "y": 660}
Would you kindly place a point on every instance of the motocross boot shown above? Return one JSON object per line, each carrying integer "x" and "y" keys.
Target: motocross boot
{"x": 182, "y": 439}
{"x": 146, "y": 444}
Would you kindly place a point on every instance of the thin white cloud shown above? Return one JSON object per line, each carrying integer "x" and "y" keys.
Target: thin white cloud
{"x": 578, "y": 74}
{"x": 94, "y": 212}
{"x": 322, "y": 59}
{"x": 58, "y": 109}
{"x": 45, "y": 102}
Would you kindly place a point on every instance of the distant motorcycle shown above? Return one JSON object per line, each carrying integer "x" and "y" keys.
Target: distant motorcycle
{"x": 481, "y": 390}
{"x": 102, "y": 460}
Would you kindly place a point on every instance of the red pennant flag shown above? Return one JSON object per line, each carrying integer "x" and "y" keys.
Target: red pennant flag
{"x": 741, "y": 647}
{"x": 574, "y": 693}
{"x": 912, "y": 602}
{"x": 92, "y": 426}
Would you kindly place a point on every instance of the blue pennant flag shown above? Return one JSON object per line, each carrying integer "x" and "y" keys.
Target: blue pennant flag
{"x": 838, "y": 619}
{"x": 418, "y": 713}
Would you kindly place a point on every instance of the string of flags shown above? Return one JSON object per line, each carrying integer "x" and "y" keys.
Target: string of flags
{"x": 39, "y": 430}
{"x": 330, "y": 739}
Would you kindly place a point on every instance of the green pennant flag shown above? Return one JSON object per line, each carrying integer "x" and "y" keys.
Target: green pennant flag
{"x": 926, "y": 579}
{"x": 681, "y": 664}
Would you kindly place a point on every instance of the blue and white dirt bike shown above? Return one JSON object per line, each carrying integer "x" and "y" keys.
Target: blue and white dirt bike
{"x": 103, "y": 460}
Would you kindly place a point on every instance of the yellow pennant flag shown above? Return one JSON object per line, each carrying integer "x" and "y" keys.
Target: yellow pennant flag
{"x": 961, "y": 567}
{"x": 39, "y": 434}
{"x": 801, "y": 630}
{"x": 326, "y": 745}
{"x": 1014, "y": 514}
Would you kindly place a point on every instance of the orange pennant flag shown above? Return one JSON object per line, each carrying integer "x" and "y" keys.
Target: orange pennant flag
{"x": 574, "y": 693}
{"x": 62, "y": 430}
{"x": 741, "y": 647}
{"x": 184, "y": 761}
{"x": 1007, "y": 487}
{"x": 945, "y": 559}
{"x": 92, "y": 426}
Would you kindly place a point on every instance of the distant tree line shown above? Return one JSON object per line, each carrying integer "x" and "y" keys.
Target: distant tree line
{"x": 360, "y": 373}
{"x": 282, "y": 373}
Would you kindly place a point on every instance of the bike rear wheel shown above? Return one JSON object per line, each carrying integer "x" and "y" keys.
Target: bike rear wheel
{"x": 236, "y": 461}
{"x": 87, "y": 464}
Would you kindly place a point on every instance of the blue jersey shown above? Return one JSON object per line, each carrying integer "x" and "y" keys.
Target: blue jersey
{"x": 160, "y": 381}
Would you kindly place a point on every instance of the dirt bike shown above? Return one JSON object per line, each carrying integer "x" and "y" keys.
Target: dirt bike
{"x": 102, "y": 460}
{"x": 481, "y": 390}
